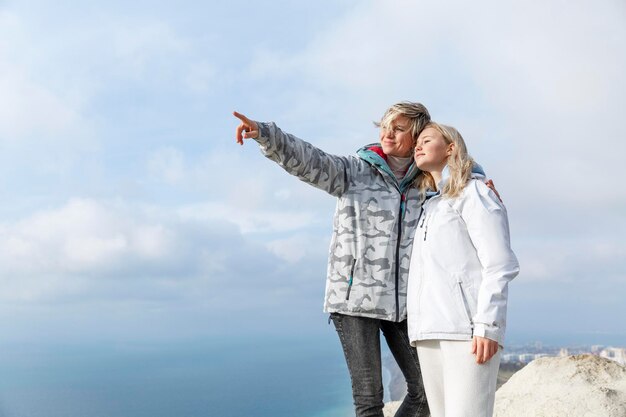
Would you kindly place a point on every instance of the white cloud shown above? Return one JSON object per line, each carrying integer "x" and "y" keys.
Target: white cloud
{"x": 89, "y": 249}
{"x": 201, "y": 76}
{"x": 143, "y": 52}
{"x": 298, "y": 246}
{"x": 84, "y": 236}
{"x": 167, "y": 164}
{"x": 572, "y": 260}
{"x": 51, "y": 75}
{"x": 27, "y": 107}
{"x": 139, "y": 48}
{"x": 239, "y": 184}
{"x": 249, "y": 220}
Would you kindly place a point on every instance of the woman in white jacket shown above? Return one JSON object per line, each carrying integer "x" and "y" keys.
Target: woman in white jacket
{"x": 461, "y": 265}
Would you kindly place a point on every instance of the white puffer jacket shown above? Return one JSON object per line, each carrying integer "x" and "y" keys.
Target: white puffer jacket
{"x": 460, "y": 267}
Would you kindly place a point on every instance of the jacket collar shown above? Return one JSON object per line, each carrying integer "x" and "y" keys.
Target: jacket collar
{"x": 477, "y": 173}
{"x": 373, "y": 154}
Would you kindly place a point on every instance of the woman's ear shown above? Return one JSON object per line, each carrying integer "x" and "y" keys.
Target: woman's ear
{"x": 450, "y": 149}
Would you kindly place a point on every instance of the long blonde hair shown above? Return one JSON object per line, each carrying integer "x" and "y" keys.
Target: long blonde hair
{"x": 459, "y": 163}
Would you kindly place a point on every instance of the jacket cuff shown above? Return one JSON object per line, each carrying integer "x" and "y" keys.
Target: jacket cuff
{"x": 490, "y": 332}
{"x": 263, "y": 138}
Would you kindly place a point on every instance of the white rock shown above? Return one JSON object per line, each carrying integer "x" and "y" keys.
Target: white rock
{"x": 572, "y": 386}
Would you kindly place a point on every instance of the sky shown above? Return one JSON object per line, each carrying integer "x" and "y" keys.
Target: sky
{"x": 129, "y": 213}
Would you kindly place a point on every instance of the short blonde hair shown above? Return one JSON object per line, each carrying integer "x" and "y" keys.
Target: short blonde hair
{"x": 460, "y": 164}
{"x": 416, "y": 112}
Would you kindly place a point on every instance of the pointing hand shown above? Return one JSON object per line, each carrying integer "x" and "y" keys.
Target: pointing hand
{"x": 247, "y": 129}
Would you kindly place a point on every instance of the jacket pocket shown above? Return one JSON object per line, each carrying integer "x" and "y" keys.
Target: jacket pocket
{"x": 466, "y": 306}
{"x": 350, "y": 279}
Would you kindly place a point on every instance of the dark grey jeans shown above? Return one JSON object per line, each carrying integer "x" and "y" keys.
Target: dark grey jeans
{"x": 360, "y": 338}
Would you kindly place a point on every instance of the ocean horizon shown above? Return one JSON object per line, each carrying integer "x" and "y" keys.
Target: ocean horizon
{"x": 261, "y": 377}
{"x": 210, "y": 378}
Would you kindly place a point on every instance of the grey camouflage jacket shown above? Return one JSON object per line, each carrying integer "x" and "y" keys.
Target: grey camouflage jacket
{"x": 373, "y": 227}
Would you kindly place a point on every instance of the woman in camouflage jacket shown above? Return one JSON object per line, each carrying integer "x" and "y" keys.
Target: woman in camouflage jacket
{"x": 375, "y": 219}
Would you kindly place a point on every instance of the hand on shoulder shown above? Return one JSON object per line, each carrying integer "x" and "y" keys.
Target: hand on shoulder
{"x": 489, "y": 183}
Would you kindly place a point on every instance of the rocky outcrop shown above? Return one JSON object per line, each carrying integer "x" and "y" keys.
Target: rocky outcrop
{"x": 571, "y": 386}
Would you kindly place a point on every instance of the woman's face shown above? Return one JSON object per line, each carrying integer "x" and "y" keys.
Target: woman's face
{"x": 397, "y": 139}
{"x": 431, "y": 151}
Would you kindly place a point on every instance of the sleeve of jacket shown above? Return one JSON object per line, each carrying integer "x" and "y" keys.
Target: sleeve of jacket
{"x": 312, "y": 165}
{"x": 488, "y": 227}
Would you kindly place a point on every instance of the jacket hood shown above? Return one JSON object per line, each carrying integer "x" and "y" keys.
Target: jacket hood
{"x": 478, "y": 173}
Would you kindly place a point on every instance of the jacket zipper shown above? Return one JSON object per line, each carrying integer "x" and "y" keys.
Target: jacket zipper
{"x": 420, "y": 216}
{"x": 402, "y": 202}
{"x": 350, "y": 279}
{"x": 423, "y": 220}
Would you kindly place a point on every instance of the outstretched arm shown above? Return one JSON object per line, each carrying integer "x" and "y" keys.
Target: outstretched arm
{"x": 310, "y": 164}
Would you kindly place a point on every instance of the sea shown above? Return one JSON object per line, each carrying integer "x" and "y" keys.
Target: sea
{"x": 220, "y": 377}
{"x": 217, "y": 378}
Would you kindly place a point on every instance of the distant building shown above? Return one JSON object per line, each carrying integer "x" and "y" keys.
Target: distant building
{"x": 526, "y": 357}
{"x": 615, "y": 354}
{"x": 596, "y": 348}
{"x": 510, "y": 357}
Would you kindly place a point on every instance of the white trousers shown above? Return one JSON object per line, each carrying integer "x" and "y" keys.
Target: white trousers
{"x": 456, "y": 386}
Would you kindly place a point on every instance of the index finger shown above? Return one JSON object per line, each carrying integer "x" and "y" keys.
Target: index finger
{"x": 242, "y": 117}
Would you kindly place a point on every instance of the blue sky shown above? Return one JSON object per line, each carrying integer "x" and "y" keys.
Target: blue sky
{"x": 129, "y": 213}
